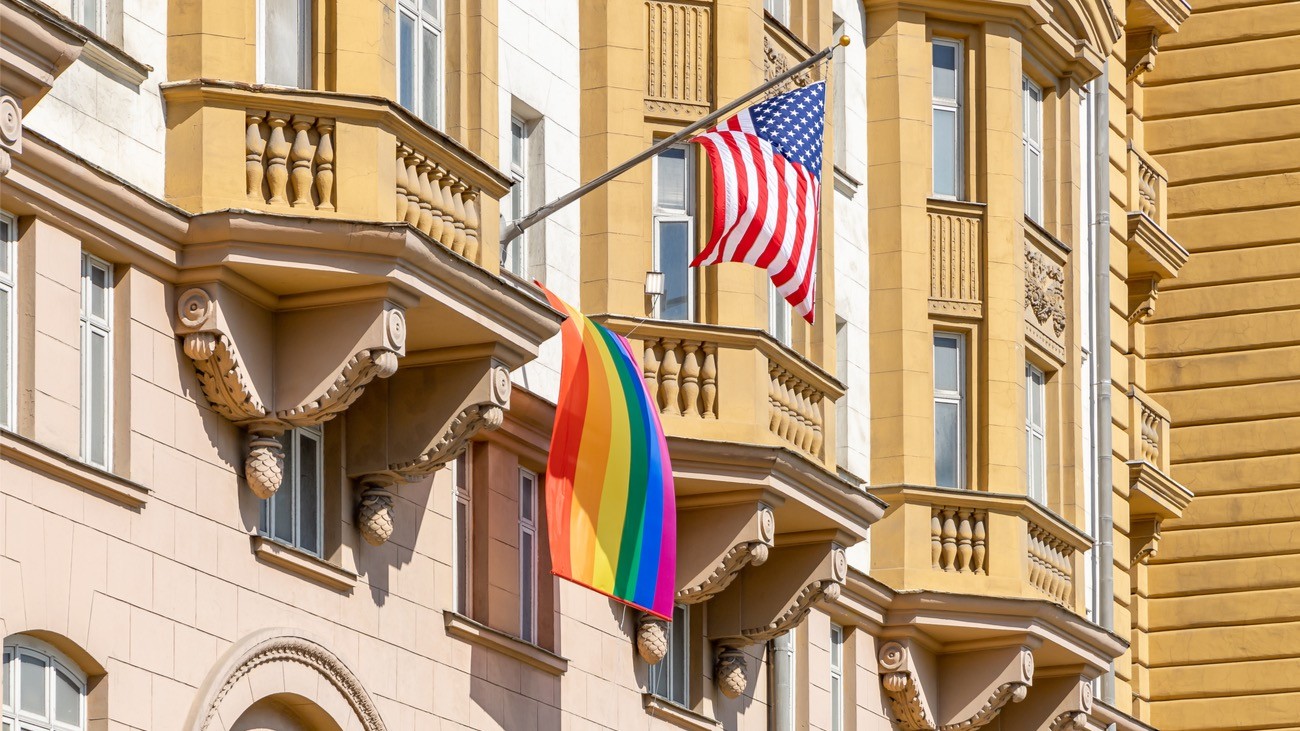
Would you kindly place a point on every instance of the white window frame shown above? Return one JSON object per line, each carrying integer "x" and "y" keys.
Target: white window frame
{"x": 779, "y": 319}
{"x": 101, "y": 15}
{"x": 837, "y": 677}
{"x": 9, "y": 288}
{"x": 515, "y": 256}
{"x": 1036, "y": 429}
{"x": 664, "y": 214}
{"x": 957, "y": 397}
{"x": 424, "y": 22}
{"x": 1032, "y": 139}
{"x": 462, "y": 531}
{"x": 17, "y": 646}
{"x": 305, "y": 47}
{"x": 956, "y": 106}
{"x": 778, "y": 9}
{"x": 662, "y": 677}
{"x": 292, "y": 489}
{"x": 528, "y": 559}
{"x": 90, "y": 327}
{"x": 839, "y": 112}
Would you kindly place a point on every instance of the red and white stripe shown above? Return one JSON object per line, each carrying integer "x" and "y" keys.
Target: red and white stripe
{"x": 764, "y": 211}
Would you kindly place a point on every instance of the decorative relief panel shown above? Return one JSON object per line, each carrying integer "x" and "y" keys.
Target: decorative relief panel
{"x": 956, "y": 261}
{"x": 680, "y": 46}
{"x": 1045, "y": 301}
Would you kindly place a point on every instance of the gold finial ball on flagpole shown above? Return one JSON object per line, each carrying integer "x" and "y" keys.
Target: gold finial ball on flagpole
{"x": 844, "y": 40}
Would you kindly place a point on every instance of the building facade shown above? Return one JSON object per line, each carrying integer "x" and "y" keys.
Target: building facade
{"x": 288, "y": 471}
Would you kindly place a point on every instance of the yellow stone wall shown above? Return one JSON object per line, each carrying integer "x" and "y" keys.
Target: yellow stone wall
{"x": 1222, "y": 357}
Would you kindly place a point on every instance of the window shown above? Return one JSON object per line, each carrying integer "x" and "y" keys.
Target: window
{"x": 294, "y": 515}
{"x": 1033, "y": 146}
{"x": 462, "y": 517}
{"x": 949, "y": 410}
{"x": 42, "y": 689}
{"x": 90, "y": 13}
{"x": 674, "y": 231}
{"x": 837, "y": 677}
{"x": 419, "y": 58}
{"x": 946, "y": 108}
{"x": 284, "y": 42}
{"x": 1036, "y": 431}
{"x": 779, "y": 9}
{"x": 515, "y": 257}
{"x": 8, "y": 321}
{"x": 96, "y": 359}
{"x": 669, "y": 677}
{"x": 839, "y": 121}
{"x": 778, "y": 315}
{"x": 527, "y": 555}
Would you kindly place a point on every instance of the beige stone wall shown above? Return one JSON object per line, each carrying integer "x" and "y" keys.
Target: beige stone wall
{"x": 1224, "y": 637}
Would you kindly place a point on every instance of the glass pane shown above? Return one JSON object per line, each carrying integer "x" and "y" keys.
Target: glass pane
{"x": 97, "y": 399}
{"x": 945, "y": 152}
{"x": 99, "y": 292}
{"x": 91, "y": 15}
{"x": 944, "y": 76}
{"x": 6, "y": 250}
{"x": 285, "y": 35}
{"x": 837, "y": 704}
{"x": 679, "y": 655}
{"x": 67, "y": 699}
{"x": 1034, "y": 185}
{"x": 674, "y": 262}
{"x": 947, "y": 443}
{"x": 31, "y": 684}
{"x": 671, "y": 185}
{"x": 527, "y": 488}
{"x": 282, "y": 500}
{"x": 947, "y": 364}
{"x": 406, "y": 60}
{"x": 517, "y": 143}
{"x": 6, "y": 372}
{"x": 837, "y": 647}
{"x": 462, "y": 556}
{"x": 526, "y": 598}
{"x": 1038, "y": 467}
{"x": 7, "y": 690}
{"x": 433, "y": 8}
{"x": 308, "y": 493}
{"x": 462, "y": 472}
{"x": 431, "y": 84}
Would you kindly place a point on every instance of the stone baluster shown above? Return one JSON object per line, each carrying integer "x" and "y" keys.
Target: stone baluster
{"x": 789, "y": 419}
{"x": 818, "y": 424}
{"x": 300, "y": 157}
{"x": 458, "y": 189}
{"x": 948, "y": 557}
{"x": 979, "y": 542}
{"x": 936, "y": 536}
{"x": 965, "y": 537}
{"x": 690, "y": 378}
{"x": 413, "y": 161}
{"x": 810, "y": 419}
{"x": 402, "y": 182}
{"x": 709, "y": 382}
{"x": 425, "y": 221}
{"x": 650, "y": 371}
{"x": 669, "y": 371}
{"x": 277, "y": 157}
{"x": 1035, "y": 569}
{"x": 325, "y": 164}
{"x": 471, "y": 224}
{"x": 445, "y": 207}
{"x": 254, "y": 147}
{"x": 436, "y": 222}
{"x": 774, "y": 423}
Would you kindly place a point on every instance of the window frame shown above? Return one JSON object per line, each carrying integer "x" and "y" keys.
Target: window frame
{"x": 14, "y": 648}
{"x": 424, "y": 21}
{"x": 661, "y": 214}
{"x": 958, "y": 397}
{"x": 780, "y": 319}
{"x": 306, "y": 38}
{"x": 957, "y": 106}
{"x": 779, "y": 10}
{"x": 90, "y": 327}
{"x": 291, "y": 486}
{"x": 9, "y": 287}
{"x": 462, "y": 532}
{"x": 528, "y": 560}
{"x": 517, "y": 249}
{"x": 79, "y": 15}
{"x": 836, "y": 652}
{"x": 1036, "y": 474}
{"x": 1032, "y": 141}
{"x": 839, "y": 105}
{"x": 676, "y": 661}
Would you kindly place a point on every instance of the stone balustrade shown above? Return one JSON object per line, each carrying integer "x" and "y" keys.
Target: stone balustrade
{"x": 434, "y": 199}
{"x": 1051, "y": 565}
{"x": 959, "y": 539}
{"x": 1148, "y": 186}
{"x": 734, "y": 384}
{"x": 1149, "y": 432}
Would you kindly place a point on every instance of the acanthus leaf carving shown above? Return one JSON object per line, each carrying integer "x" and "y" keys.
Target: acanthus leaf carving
{"x": 1045, "y": 289}
{"x": 903, "y": 690}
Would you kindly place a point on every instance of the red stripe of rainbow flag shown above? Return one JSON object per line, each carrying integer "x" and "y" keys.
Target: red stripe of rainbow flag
{"x": 609, "y": 483}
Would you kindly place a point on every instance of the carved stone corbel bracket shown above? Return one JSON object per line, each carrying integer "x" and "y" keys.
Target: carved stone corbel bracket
{"x": 715, "y": 543}
{"x": 1059, "y": 702}
{"x": 651, "y": 638}
{"x": 978, "y": 685}
{"x": 730, "y": 673}
{"x": 210, "y": 331}
{"x": 1142, "y": 294}
{"x": 902, "y": 687}
{"x": 413, "y": 424}
{"x": 1143, "y": 45}
{"x": 11, "y": 131}
{"x": 1144, "y": 535}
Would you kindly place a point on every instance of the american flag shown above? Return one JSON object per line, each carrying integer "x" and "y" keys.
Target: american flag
{"x": 766, "y": 163}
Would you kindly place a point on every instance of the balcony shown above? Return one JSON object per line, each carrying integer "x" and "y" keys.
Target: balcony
{"x": 977, "y": 543}
{"x": 327, "y": 155}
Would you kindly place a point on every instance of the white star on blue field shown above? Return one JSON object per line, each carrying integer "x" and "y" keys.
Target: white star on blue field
{"x": 793, "y": 123}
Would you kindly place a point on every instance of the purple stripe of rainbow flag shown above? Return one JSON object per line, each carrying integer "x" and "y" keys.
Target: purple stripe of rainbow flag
{"x": 609, "y": 483}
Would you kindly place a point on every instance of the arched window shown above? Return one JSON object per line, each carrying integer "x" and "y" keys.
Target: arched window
{"x": 43, "y": 689}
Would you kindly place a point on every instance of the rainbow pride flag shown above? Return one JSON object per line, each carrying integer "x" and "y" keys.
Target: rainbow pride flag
{"x": 609, "y": 485}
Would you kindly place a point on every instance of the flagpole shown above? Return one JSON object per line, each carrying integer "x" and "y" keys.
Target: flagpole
{"x": 516, "y": 228}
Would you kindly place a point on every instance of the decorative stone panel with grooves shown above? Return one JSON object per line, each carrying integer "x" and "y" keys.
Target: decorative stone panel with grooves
{"x": 956, "y": 260}
{"x": 1051, "y": 566}
{"x": 679, "y": 49}
{"x": 433, "y": 199}
{"x": 682, "y": 375}
{"x": 959, "y": 539}
{"x": 289, "y": 160}
{"x": 796, "y": 410}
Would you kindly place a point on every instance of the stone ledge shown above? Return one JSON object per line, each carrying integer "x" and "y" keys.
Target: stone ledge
{"x": 21, "y": 450}
{"x": 678, "y": 716}
{"x": 303, "y": 564}
{"x": 460, "y": 626}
